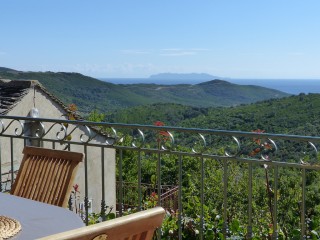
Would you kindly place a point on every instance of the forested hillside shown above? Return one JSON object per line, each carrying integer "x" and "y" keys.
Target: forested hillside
{"x": 86, "y": 92}
{"x": 89, "y": 93}
{"x": 294, "y": 115}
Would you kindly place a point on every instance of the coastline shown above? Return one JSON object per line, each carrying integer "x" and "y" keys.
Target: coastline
{"x": 291, "y": 86}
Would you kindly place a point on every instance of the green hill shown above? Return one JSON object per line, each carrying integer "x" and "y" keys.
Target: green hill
{"x": 3, "y": 69}
{"x": 88, "y": 93}
{"x": 290, "y": 115}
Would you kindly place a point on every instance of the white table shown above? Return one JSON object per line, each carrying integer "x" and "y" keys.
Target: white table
{"x": 37, "y": 219}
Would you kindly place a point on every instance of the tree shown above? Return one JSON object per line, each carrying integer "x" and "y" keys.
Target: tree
{"x": 95, "y": 116}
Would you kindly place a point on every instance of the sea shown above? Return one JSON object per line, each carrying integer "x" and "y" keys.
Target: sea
{"x": 291, "y": 86}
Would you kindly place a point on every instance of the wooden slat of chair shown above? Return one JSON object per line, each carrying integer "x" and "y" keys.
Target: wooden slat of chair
{"x": 44, "y": 187}
{"x": 136, "y": 226}
{"x": 46, "y": 175}
{"x": 52, "y": 170}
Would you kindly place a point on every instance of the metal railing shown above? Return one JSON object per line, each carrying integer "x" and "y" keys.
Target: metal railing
{"x": 129, "y": 198}
{"x": 227, "y": 181}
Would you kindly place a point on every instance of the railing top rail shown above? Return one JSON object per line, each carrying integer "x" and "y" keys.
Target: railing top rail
{"x": 240, "y": 149}
{"x": 173, "y": 129}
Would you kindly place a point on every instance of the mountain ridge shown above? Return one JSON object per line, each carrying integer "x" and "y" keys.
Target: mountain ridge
{"x": 183, "y": 76}
{"x": 90, "y": 93}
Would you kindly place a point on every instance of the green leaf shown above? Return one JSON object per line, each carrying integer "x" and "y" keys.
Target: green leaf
{"x": 235, "y": 225}
{"x": 111, "y": 216}
{"x": 296, "y": 232}
{"x": 221, "y": 235}
{"x": 314, "y": 234}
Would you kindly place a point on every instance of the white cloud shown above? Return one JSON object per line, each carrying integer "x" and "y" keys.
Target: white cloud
{"x": 181, "y": 52}
{"x": 171, "y": 49}
{"x": 178, "y": 53}
{"x": 165, "y": 51}
{"x": 134, "y": 51}
{"x": 115, "y": 70}
{"x": 200, "y": 49}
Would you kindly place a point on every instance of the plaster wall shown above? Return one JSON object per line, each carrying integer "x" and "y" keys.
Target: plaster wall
{"x": 49, "y": 109}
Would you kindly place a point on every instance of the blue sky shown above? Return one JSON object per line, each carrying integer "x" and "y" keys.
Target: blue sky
{"x": 125, "y": 38}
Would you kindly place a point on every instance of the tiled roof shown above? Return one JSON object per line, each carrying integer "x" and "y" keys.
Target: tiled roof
{"x": 11, "y": 92}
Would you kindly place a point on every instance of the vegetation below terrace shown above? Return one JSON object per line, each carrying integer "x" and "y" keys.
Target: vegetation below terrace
{"x": 290, "y": 115}
{"x": 88, "y": 93}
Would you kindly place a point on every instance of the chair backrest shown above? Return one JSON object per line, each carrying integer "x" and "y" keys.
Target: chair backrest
{"x": 138, "y": 226}
{"x": 46, "y": 175}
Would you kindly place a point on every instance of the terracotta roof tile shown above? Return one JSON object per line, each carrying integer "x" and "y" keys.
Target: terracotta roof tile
{"x": 11, "y": 92}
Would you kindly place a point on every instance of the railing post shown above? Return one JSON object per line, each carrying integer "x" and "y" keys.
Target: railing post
{"x": 86, "y": 200}
{"x": 70, "y": 202}
{"x": 103, "y": 202}
{"x": 159, "y": 177}
{"x": 159, "y": 187}
{"x": 303, "y": 205}
{"x": 225, "y": 197}
{"x": 120, "y": 204}
{"x": 139, "y": 181}
{"x": 180, "y": 198}
{"x": 11, "y": 153}
{"x": 275, "y": 205}
{"x": 202, "y": 198}
{"x": 0, "y": 166}
{"x": 249, "y": 228}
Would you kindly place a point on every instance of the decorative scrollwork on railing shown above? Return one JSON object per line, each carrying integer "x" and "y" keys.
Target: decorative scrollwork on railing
{"x": 235, "y": 153}
{"x": 268, "y": 147}
{"x": 110, "y": 141}
{"x": 90, "y": 134}
{"x": 255, "y": 145}
{"x": 167, "y": 143}
{"x": 18, "y": 131}
{"x": 197, "y": 148}
{"x": 313, "y": 146}
{"x": 309, "y": 155}
{"x": 113, "y": 138}
{"x": 40, "y": 132}
{"x": 62, "y": 130}
{"x": 260, "y": 147}
{"x": 142, "y": 139}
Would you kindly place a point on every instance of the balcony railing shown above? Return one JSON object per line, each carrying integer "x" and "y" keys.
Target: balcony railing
{"x": 230, "y": 184}
{"x": 129, "y": 198}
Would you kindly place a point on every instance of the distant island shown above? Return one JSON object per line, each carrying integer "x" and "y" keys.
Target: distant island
{"x": 184, "y": 76}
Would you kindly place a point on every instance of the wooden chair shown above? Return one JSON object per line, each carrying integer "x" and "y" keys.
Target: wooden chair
{"x": 46, "y": 175}
{"x": 137, "y": 226}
